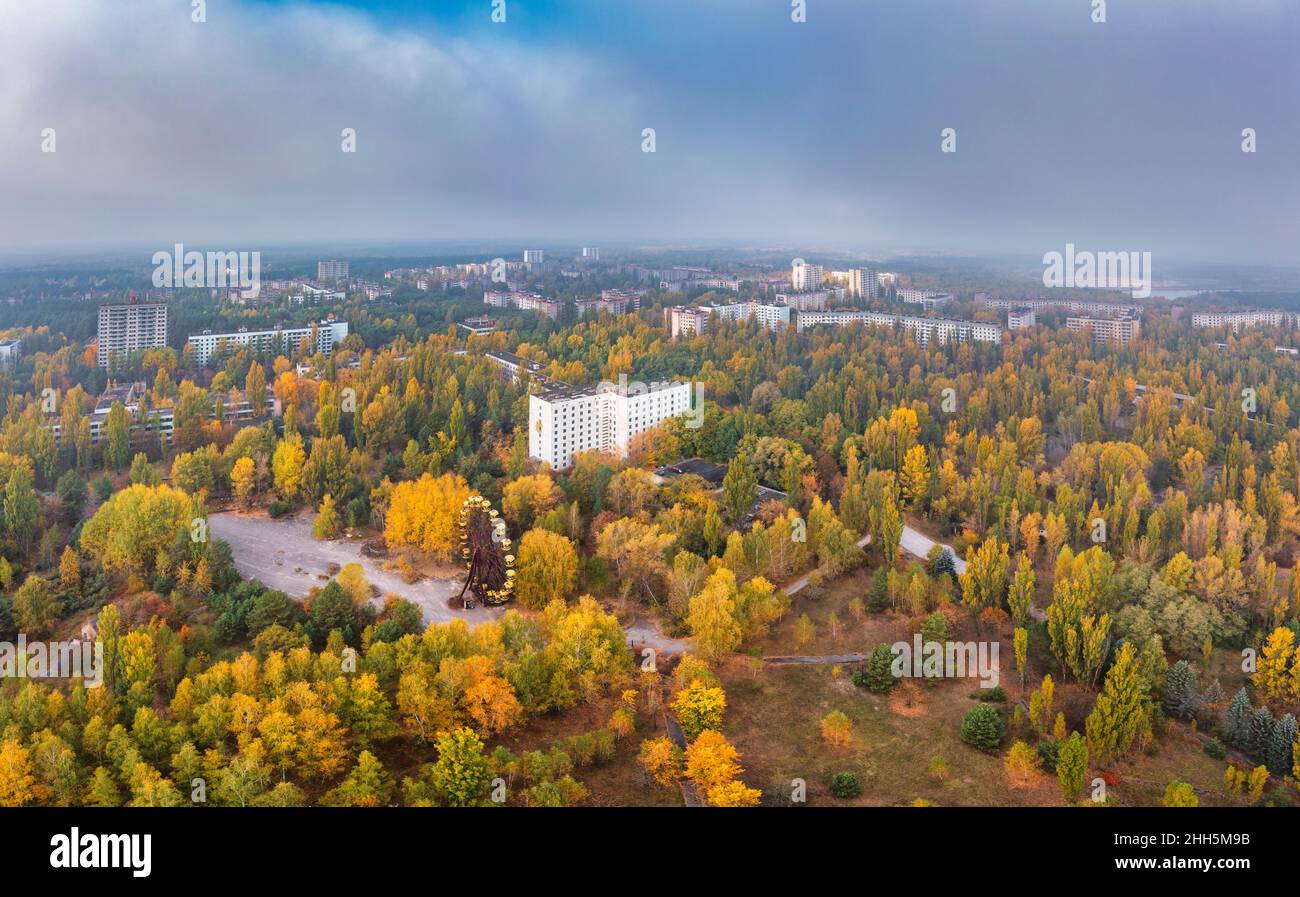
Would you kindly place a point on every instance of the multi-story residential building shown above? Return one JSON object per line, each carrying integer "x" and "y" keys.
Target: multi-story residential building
{"x": 591, "y": 252}
{"x": 523, "y": 301}
{"x": 615, "y": 302}
{"x": 1021, "y": 319}
{"x": 1079, "y": 305}
{"x": 805, "y": 277}
{"x": 308, "y": 293}
{"x": 862, "y": 283}
{"x": 922, "y": 329}
{"x": 324, "y": 337}
{"x": 1239, "y": 319}
{"x": 534, "y": 256}
{"x": 689, "y": 321}
{"x": 130, "y": 327}
{"x": 481, "y": 326}
{"x": 927, "y": 299}
{"x": 513, "y": 365}
{"x": 1121, "y": 329}
{"x": 815, "y": 300}
{"x": 565, "y": 421}
{"x": 148, "y": 426}
{"x": 10, "y": 351}
{"x": 332, "y": 269}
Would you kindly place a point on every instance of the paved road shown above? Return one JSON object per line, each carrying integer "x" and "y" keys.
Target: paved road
{"x": 919, "y": 544}
{"x": 819, "y": 658}
{"x": 284, "y": 555}
{"x": 912, "y": 542}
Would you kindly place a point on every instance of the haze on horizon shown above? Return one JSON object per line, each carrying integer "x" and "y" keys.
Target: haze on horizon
{"x": 226, "y": 134}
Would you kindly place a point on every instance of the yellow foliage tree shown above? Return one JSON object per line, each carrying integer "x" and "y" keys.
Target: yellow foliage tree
{"x": 425, "y": 514}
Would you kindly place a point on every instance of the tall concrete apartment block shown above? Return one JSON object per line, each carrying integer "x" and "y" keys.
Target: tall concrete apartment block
{"x": 804, "y": 276}
{"x": 130, "y": 327}
{"x": 863, "y": 283}
{"x": 332, "y": 269}
{"x": 564, "y": 421}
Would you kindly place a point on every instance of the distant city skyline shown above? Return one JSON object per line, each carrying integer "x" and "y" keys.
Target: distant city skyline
{"x": 227, "y": 134}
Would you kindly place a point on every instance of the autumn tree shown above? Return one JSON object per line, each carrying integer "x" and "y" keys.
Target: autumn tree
{"x": 546, "y": 570}
{"x": 985, "y": 581}
{"x": 527, "y": 498}
{"x": 35, "y": 607}
{"x": 712, "y": 616}
{"x": 327, "y": 524}
{"x": 1120, "y": 714}
{"x": 1072, "y": 766}
{"x": 740, "y": 488}
{"x": 425, "y": 514}
{"x": 243, "y": 481}
{"x": 460, "y": 776}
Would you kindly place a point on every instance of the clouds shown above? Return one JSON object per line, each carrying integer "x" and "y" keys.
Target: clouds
{"x": 1122, "y": 135}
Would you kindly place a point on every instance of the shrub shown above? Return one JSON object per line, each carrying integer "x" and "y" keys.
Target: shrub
{"x": 983, "y": 728}
{"x": 1179, "y": 794}
{"x": 836, "y": 729}
{"x": 938, "y": 768}
{"x": 877, "y": 675}
{"x": 1022, "y": 765}
{"x": 845, "y": 785}
{"x": 935, "y": 628}
{"x": 278, "y": 509}
{"x": 991, "y": 694}
{"x": 1214, "y": 748}
{"x": 1049, "y": 751}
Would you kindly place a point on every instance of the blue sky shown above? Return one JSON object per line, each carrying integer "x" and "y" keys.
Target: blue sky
{"x": 823, "y": 134}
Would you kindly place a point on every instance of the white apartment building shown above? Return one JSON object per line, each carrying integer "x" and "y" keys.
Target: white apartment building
{"x": 1239, "y": 319}
{"x": 566, "y": 421}
{"x": 591, "y": 252}
{"x": 523, "y": 301}
{"x": 1121, "y": 330}
{"x": 862, "y": 283}
{"x": 280, "y": 339}
{"x": 10, "y": 351}
{"x": 481, "y": 326}
{"x": 128, "y": 328}
{"x": 332, "y": 269}
{"x": 308, "y": 293}
{"x": 689, "y": 321}
{"x": 1080, "y": 305}
{"x": 927, "y": 299}
{"x": 1021, "y": 319}
{"x": 534, "y": 256}
{"x": 804, "y": 277}
{"x": 922, "y": 329}
{"x": 815, "y": 300}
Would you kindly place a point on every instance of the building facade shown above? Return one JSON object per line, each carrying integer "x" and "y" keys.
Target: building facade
{"x": 332, "y": 269}
{"x": 1239, "y": 319}
{"x": 922, "y": 329}
{"x": 326, "y": 335}
{"x": 692, "y": 320}
{"x": 566, "y": 421}
{"x": 804, "y": 276}
{"x": 1120, "y": 330}
{"x": 130, "y": 327}
{"x": 862, "y": 283}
